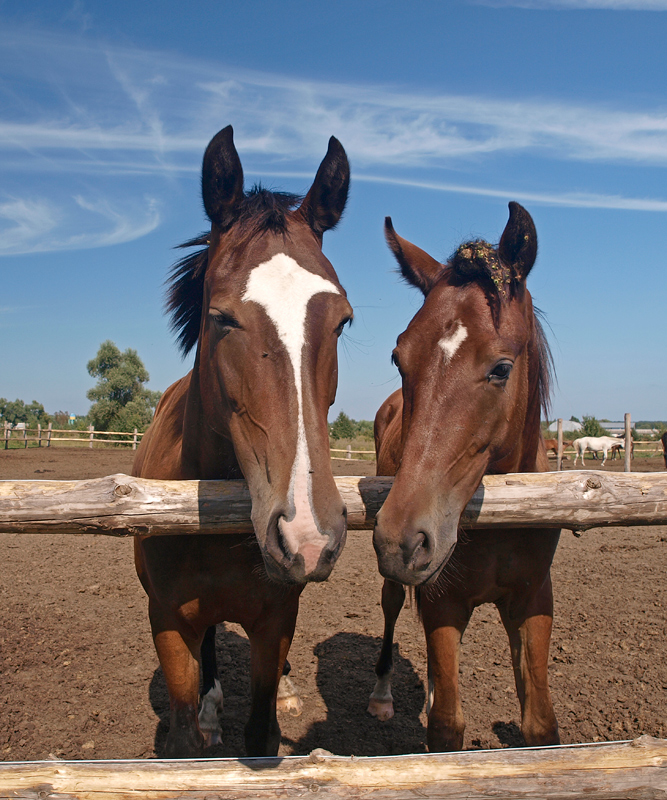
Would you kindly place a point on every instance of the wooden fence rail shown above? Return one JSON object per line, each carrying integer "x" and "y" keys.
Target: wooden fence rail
{"x": 606, "y": 771}
{"x": 119, "y": 505}
{"x": 44, "y": 436}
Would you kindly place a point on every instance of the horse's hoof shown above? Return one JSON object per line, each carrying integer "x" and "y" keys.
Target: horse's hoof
{"x": 382, "y": 709}
{"x": 213, "y": 737}
{"x": 288, "y": 698}
{"x": 292, "y": 705}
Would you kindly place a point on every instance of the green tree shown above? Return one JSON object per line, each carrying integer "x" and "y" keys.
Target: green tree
{"x": 17, "y": 411}
{"x": 343, "y": 427}
{"x": 121, "y": 402}
{"x": 364, "y": 429}
{"x": 591, "y": 427}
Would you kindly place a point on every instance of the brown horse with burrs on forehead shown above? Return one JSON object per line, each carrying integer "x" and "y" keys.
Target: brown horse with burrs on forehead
{"x": 264, "y": 309}
{"x": 475, "y": 368}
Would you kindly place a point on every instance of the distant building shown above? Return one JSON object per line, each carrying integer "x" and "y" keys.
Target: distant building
{"x": 615, "y": 428}
{"x": 568, "y": 426}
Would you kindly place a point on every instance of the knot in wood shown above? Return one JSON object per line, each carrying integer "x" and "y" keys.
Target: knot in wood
{"x": 122, "y": 489}
{"x": 593, "y": 483}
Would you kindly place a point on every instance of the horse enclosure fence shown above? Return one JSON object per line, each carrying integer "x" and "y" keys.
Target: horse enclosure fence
{"x": 119, "y": 505}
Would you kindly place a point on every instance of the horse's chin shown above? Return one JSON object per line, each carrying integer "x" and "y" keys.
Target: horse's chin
{"x": 433, "y": 578}
{"x": 294, "y": 573}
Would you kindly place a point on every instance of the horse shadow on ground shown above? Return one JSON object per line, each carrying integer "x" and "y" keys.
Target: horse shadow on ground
{"x": 345, "y": 679}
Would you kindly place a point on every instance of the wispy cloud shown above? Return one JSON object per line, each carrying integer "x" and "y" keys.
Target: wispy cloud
{"x": 157, "y": 113}
{"x": 103, "y": 113}
{"x": 38, "y": 225}
{"x": 566, "y": 199}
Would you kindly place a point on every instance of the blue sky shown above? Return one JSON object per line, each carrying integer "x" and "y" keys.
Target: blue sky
{"x": 448, "y": 110}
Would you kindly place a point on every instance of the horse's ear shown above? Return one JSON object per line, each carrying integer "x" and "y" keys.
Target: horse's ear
{"x": 323, "y": 206}
{"x": 417, "y": 266}
{"x": 518, "y": 244}
{"x": 222, "y": 179}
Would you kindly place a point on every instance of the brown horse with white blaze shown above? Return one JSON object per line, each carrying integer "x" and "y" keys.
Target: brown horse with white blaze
{"x": 475, "y": 369}
{"x": 264, "y": 309}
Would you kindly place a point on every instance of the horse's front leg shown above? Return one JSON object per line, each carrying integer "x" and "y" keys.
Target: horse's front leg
{"x": 529, "y": 635}
{"x": 270, "y": 639}
{"x": 381, "y": 703}
{"x": 179, "y": 658}
{"x": 604, "y": 456}
{"x": 444, "y": 624}
{"x": 211, "y": 695}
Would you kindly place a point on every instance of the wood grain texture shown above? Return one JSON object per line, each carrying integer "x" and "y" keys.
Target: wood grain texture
{"x": 120, "y": 505}
{"x": 607, "y": 771}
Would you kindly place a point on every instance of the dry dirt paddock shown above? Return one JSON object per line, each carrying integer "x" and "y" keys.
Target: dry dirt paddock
{"x": 80, "y": 678}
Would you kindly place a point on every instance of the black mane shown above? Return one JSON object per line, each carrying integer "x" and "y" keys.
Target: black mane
{"x": 261, "y": 211}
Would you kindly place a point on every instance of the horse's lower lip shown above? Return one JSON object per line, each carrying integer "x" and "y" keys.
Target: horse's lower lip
{"x": 437, "y": 572}
{"x": 409, "y": 576}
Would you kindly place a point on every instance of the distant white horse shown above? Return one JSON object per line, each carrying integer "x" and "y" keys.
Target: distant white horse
{"x": 598, "y": 444}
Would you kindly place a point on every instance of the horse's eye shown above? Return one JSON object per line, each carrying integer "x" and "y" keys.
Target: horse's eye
{"x": 395, "y": 361}
{"x": 224, "y": 322}
{"x": 501, "y": 372}
{"x": 342, "y": 324}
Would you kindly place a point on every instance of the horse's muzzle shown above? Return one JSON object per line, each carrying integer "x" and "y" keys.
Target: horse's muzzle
{"x": 416, "y": 556}
{"x": 315, "y": 557}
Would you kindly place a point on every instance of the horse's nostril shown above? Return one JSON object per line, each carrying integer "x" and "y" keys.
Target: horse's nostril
{"x": 281, "y": 542}
{"x": 418, "y": 552}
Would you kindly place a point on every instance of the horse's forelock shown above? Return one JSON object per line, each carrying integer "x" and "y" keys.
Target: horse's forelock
{"x": 478, "y": 261}
{"x": 261, "y": 211}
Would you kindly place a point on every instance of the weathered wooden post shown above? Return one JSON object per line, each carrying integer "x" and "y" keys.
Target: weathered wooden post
{"x": 8, "y": 433}
{"x": 349, "y": 452}
{"x": 39, "y": 434}
{"x": 559, "y": 462}
{"x": 48, "y": 435}
{"x": 92, "y": 434}
{"x": 25, "y": 436}
{"x": 628, "y": 444}
{"x": 134, "y": 440}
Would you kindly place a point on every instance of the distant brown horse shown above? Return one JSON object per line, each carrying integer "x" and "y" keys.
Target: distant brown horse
{"x": 663, "y": 439}
{"x": 475, "y": 369}
{"x": 264, "y": 309}
{"x": 551, "y": 446}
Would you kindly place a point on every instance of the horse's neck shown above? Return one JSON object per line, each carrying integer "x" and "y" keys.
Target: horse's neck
{"x": 206, "y": 454}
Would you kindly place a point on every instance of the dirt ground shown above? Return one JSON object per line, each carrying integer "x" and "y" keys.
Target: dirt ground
{"x": 80, "y": 678}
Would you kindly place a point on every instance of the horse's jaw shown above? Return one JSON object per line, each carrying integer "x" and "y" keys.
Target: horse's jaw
{"x": 413, "y": 550}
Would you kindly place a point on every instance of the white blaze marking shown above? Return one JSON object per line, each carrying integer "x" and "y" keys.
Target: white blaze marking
{"x": 284, "y": 289}
{"x": 450, "y": 344}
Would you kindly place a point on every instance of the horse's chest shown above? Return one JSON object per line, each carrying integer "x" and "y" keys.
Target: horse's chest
{"x": 489, "y": 566}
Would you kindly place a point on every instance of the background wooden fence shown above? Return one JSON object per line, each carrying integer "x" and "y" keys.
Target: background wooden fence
{"x": 45, "y": 436}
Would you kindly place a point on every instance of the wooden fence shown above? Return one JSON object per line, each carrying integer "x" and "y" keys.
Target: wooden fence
{"x": 606, "y": 771}
{"x": 120, "y": 505}
{"x": 45, "y": 436}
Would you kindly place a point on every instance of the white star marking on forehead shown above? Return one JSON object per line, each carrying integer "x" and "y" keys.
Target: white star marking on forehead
{"x": 450, "y": 344}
